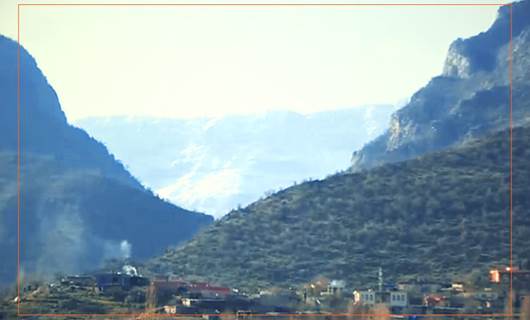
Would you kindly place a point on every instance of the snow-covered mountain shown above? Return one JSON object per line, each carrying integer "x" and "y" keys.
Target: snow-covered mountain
{"x": 216, "y": 164}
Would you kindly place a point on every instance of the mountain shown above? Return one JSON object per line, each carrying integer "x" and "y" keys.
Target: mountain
{"x": 428, "y": 198}
{"x": 79, "y": 206}
{"x": 441, "y": 216}
{"x": 469, "y": 99}
{"x": 216, "y": 164}
{"x": 44, "y": 128}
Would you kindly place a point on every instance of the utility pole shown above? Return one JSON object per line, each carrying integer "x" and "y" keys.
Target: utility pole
{"x": 380, "y": 278}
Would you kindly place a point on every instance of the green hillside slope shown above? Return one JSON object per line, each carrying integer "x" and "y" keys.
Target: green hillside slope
{"x": 440, "y": 216}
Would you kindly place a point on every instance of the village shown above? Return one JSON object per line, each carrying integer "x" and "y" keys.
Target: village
{"x": 128, "y": 291}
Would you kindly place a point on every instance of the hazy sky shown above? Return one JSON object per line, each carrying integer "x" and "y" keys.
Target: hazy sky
{"x": 210, "y": 61}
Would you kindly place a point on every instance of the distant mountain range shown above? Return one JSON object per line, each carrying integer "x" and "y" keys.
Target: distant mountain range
{"x": 470, "y": 99}
{"x": 216, "y": 164}
{"x": 79, "y": 206}
{"x": 406, "y": 205}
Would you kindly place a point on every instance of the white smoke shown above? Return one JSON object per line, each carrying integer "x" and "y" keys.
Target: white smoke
{"x": 63, "y": 242}
{"x": 116, "y": 249}
{"x": 129, "y": 270}
{"x": 125, "y": 249}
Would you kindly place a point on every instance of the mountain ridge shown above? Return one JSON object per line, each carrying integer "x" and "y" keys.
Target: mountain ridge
{"x": 408, "y": 217}
{"x": 40, "y": 108}
{"x": 78, "y": 205}
{"x": 469, "y": 99}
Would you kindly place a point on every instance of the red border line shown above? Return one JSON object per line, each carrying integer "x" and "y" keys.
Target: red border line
{"x": 18, "y": 159}
{"x": 196, "y": 315}
{"x": 510, "y": 71}
{"x": 270, "y": 4}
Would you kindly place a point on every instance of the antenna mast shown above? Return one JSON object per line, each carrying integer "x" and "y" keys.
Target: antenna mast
{"x": 380, "y": 278}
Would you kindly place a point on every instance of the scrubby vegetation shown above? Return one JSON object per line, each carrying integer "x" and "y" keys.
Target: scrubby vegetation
{"x": 442, "y": 216}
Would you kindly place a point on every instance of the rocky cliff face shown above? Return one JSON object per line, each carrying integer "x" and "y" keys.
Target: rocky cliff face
{"x": 469, "y": 99}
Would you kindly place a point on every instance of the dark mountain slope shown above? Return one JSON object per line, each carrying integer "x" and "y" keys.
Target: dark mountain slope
{"x": 470, "y": 99}
{"x": 44, "y": 128}
{"x": 72, "y": 220}
{"x": 439, "y": 216}
{"x": 79, "y": 206}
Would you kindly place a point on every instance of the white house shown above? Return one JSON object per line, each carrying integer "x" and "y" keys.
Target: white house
{"x": 390, "y": 298}
{"x": 398, "y": 299}
{"x": 364, "y": 297}
{"x": 334, "y": 288}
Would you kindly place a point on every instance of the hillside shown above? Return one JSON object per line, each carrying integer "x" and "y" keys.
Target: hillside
{"x": 216, "y": 164}
{"x": 44, "y": 128}
{"x": 440, "y": 216}
{"x": 468, "y": 100}
{"x": 79, "y": 206}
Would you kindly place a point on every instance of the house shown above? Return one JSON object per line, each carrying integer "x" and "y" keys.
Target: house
{"x": 393, "y": 299}
{"x": 433, "y": 300}
{"x": 457, "y": 287}
{"x": 170, "y": 309}
{"x": 188, "y": 302}
{"x": 104, "y": 281}
{"x": 520, "y": 277}
{"x": 364, "y": 297}
{"x": 208, "y": 304}
{"x": 335, "y": 288}
{"x": 420, "y": 286}
{"x": 206, "y": 291}
{"x": 398, "y": 299}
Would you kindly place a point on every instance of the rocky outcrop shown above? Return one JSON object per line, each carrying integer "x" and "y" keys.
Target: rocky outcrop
{"x": 469, "y": 99}
{"x": 457, "y": 65}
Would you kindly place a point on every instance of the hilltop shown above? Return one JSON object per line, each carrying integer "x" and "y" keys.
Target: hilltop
{"x": 441, "y": 216}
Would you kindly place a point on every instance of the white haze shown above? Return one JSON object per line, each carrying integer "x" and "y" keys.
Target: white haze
{"x": 213, "y": 165}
